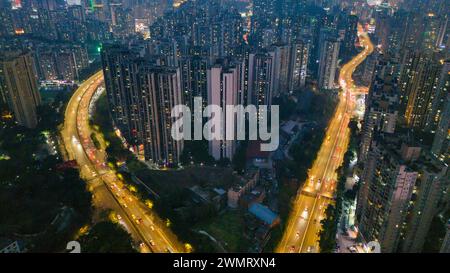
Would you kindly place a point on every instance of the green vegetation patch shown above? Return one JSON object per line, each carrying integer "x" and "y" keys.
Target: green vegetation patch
{"x": 106, "y": 237}
{"x": 228, "y": 229}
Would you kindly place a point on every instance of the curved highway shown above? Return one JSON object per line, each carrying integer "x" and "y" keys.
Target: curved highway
{"x": 147, "y": 230}
{"x": 302, "y": 231}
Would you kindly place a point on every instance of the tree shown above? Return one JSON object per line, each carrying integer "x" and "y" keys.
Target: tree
{"x": 327, "y": 242}
{"x": 240, "y": 157}
{"x": 106, "y": 237}
{"x": 48, "y": 118}
{"x": 196, "y": 151}
{"x": 287, "y": 106}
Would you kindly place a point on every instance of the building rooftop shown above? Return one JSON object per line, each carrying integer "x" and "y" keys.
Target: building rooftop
{"x": 263, "y": 213}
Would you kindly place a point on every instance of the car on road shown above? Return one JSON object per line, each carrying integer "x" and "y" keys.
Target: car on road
{"x": 304, "y": 214}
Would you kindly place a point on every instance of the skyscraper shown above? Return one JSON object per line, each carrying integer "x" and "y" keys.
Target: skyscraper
{"x": 141, "y": 96}
{"x": 351, "y": 31}
{"x": 299, "y": 59}
{"x": 441, "y": 142}
{"x": 432, "y": 23}
{"x": 381, "y": 112}
{"x": 281, "y": 54}
{"x": 117, "y": 67}
{"x": 431, "y": 183}
{"x": 18, "y": 86}
{"x": 224, "y": 85}
{"x": 261, "y": 74}
{"x": 387, "y": 185}
{"x": 439, "y": 97}
{"x": 328, "y": 58}
{"x": 264, "y": 12}
{"x": 159, "y": 91}
{"x": 193, "y": 71}
{"x": 6, "y": 20}
{"x": 369, "y": 68}
{"x": 418, "y": 85}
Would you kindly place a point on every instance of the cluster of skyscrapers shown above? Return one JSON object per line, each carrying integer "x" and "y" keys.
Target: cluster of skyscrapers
{"x": 404, "y": 148}
{"x": 60, "y": 39}
{"x": 159, "y": 54}
{"x": 225, "y": 56}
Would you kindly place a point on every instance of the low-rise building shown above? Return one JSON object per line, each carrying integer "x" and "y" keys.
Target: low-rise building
{"x": 245, "y": 185}
{"x": 257, "y": 195}
{"x": 264, "y": 214}
{"x": 215, "y": 197}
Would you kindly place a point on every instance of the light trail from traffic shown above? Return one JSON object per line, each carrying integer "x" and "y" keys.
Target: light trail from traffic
{"x": 109, "y": 191}
{"x": 303, "y": 226}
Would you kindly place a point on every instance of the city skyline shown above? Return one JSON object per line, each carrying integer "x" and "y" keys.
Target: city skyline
{"x": 352, "y": 96}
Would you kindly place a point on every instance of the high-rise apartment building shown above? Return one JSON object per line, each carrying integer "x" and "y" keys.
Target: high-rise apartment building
{"x": 328, "y": 60}
{"x": 281, "y": 54}
{"x": 441, "y": 142}
{"x": 141, "y": 96}
{"x": 439, "y": 98}
{"x": 431, "y": 184}
{"x": 260, "y": 77}
{"x": 299, "y": 58}
{"x": 387, "y": 185}
{"x": 381, "y": 113}
{"x": 418, "y": 86}
{"x": 159, "y": 91}
{"x": 193, "y": 71}
{"x": 117, "y": 68}
{"x": 224, "y": 85}
{"x": 18, "y": 86}
{"x": 351, "y": 31}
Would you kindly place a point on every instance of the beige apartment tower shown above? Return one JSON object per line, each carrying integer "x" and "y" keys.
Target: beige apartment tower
{"x": 18, "y": 86}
